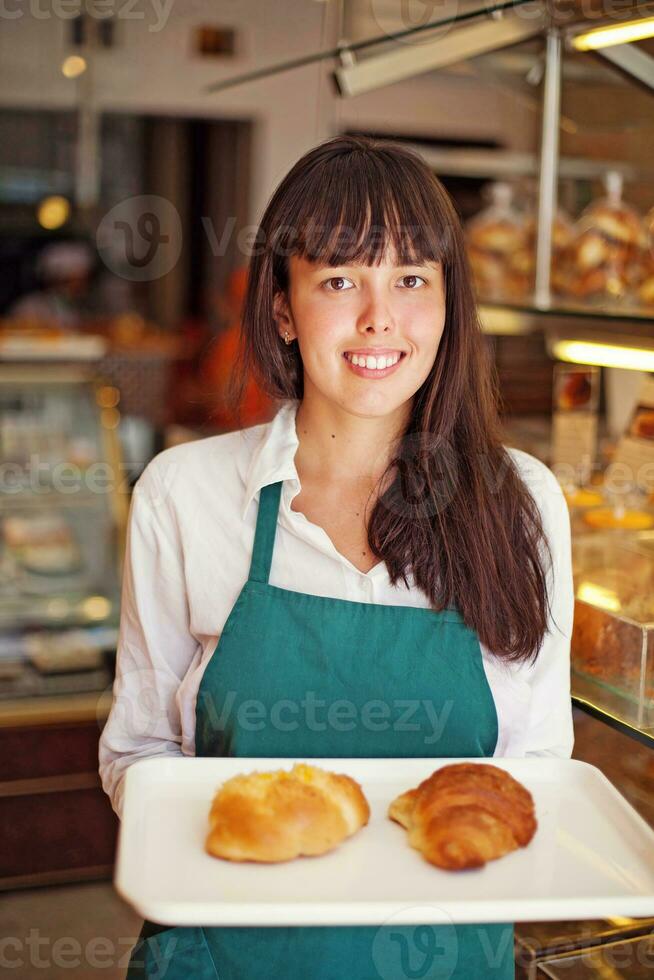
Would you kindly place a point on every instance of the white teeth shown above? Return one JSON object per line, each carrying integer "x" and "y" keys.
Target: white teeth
{"x": 373, "y": 363}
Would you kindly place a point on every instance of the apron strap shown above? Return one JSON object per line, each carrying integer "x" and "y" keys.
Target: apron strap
{"x": 264, "y": 535}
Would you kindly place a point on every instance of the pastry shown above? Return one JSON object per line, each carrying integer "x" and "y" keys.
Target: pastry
{"x": 42, "y": 543}
{"x": 643, "y": 425}
{"x": 609, "y": 248}
{"x": 281, "y": 815}
{"x": 575, "y": 391}
{"x": 609, "y": 517}
{"x": 583, "y": 497}
{"x": 466, "y": 814}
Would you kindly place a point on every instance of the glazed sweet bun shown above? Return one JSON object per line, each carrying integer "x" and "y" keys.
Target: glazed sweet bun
{"x": 466, "y": 814}
{"x": 281, "y": 815}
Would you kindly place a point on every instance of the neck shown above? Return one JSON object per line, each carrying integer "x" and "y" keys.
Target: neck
{"x": 338, "y": 447}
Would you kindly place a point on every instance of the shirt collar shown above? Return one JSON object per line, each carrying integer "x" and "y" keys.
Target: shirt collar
{"x": 274, "y": 458}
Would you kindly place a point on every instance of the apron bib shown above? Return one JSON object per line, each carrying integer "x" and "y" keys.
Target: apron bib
{"x": 300, "y": 675}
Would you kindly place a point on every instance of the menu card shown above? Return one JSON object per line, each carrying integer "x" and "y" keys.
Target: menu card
{"x": 633, "y": 461}
{"x": 574, "y": 422}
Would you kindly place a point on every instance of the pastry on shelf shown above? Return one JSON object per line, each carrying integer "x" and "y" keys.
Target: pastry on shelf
{"x": 498, "y": 248}
{"x": 33, "y": 529}
{"x": 466, "y": 814}
{"x": 575, "y": 390}
{"x": 50, "y": 559}
{"x": 614, "y": 605}
{"x": 563, "y": 235}
{"x": 60, "y": 652}
{"x": 619, "y": 517}
{"x": 42, "y": 543}
{"x": 282, "y": 815}
{"x": 645, "y": 284}
{"x": 608, "y": 247}
{"x": 608, "y": 648}
{"x": 583, "y": 497}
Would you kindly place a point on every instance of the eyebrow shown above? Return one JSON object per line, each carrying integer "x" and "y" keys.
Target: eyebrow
{"x": 432, "y": 265}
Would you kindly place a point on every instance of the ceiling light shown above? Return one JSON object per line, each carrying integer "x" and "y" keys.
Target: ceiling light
{"x": 604, "y": 355}
{"x": 605, "y": 37}
{"x": 73, "y": 66}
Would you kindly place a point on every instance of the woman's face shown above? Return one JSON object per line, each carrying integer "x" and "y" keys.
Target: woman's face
{"x": 373, "y": 311}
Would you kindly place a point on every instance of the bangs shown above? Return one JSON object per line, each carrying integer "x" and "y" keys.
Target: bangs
{"x": 357, "y": 208}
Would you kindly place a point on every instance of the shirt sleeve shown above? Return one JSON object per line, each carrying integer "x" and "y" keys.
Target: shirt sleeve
{"x": 550, "y": 730}
{"x": 155, "y": 645}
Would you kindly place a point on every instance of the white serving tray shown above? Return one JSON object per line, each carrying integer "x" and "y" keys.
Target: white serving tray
{"x": 592, "y": 855}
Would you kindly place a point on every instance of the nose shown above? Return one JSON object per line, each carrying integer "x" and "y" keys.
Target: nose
{"x": 375, "y": 315}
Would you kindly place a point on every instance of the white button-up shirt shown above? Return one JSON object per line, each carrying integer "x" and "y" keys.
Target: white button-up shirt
{"x": 189, "y": 544}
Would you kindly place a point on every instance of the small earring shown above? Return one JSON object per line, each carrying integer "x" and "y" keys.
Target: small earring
{"x": 287, "y": 338}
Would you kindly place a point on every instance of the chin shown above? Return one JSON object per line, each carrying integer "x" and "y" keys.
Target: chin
{"x": 375, "y": 408}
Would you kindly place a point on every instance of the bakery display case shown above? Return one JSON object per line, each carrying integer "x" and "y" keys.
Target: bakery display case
{"x": 612, "y": 649}
{"x": 601, "y": 262}
{"x": 611, "y": 960}
{"x": 62, "y": 517}
{"x": 62, "y": 522}
{"x": 582, "y": 949}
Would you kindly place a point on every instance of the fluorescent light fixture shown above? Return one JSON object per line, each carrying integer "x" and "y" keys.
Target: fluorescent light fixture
{"x": 605, "y": 37}
{"x": 450, "y": 47}
{"x": 604, "y": 355}
{"x": 501, "y": 321}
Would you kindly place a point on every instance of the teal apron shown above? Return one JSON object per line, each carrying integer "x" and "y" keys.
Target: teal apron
{"x": 300, "y": 658}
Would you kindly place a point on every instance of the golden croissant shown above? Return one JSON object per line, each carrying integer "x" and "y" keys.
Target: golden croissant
{"x": 280, "y": 815}
{"x": 466, "y": 814}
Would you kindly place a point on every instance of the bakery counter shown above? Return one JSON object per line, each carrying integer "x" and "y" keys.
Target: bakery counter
{"x": 597, "y": 947}
{"x": 86, "y": 707}
{"x": 56, "y": 822}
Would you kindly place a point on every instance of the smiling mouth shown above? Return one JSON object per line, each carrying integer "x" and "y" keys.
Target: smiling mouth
{"x": 374, "y": 361}
{"x": 387, "y": 364}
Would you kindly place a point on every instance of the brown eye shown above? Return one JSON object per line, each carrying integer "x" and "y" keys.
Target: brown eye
{"x": 335, "y": 279}
{"x": 412, "y": 281}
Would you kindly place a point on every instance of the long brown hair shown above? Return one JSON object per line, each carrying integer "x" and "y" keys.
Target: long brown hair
{"x": 456, "y": 513}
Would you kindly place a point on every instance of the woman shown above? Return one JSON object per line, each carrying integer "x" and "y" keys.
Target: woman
{"x": 373, "y": 544}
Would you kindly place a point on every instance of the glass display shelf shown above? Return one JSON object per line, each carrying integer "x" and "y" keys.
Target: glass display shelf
{"x": 587, "y": 699}
{"x": 63, "y": 507}
{"x": 633, "y": 958}
{"x": 539, "y": 945}
{"x": 612, "y": 649}
{"x": 569, "y": 323}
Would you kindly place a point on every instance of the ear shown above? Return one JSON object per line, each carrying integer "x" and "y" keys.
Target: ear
{"x": 282, "y": 313}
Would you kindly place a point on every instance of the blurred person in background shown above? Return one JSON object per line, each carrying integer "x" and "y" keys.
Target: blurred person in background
{"x": 65, "y": 270}
{"x": 218, "y": 362}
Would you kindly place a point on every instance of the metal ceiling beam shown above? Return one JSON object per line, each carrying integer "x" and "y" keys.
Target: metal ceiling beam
{"x": 549, "y": 159}
{"x": 489, "y": 9}
{"x": 500, "y": 164}
{"x": 457, "y": 45}
{"x": 632, "y": 60}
